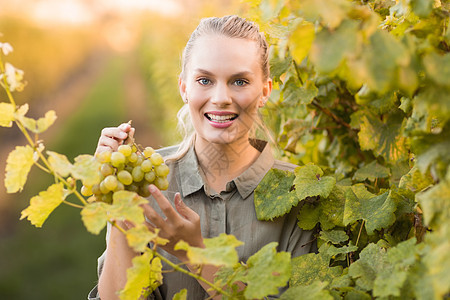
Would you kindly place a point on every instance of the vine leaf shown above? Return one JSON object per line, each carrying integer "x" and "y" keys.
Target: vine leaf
{"x": 382, "y": 136}
{"x": 86, "y": 168}
{"x": 42, "y": 205}
{"x": 126, "y": 206}
{"x": 372, "y": 260}
{"x": 95, "y": 216}
{"x": 310, "y": 267}
{"x": 267, "y": 270}
{"x": 273, "y": 195}
{"x": 332, "y": 12}
{"x": 40, "y": 125}
{"x": 6, "y": 114}
{"x": 139, "y": 236}
{"x": 314, "y": 291}
{"x": 309, "y": 182}
{"x": 334, "y": 236}
{"x": 181, "y": 295}
{"x": 140, "y": 278}
{"x": 328, "y": 212}
{"x": 435, "y": 203}
{"x": 59, "y": 163}
{"x": 331, "y": 47}
{"x": 377, "y": 211}
{"x": 371, "y": 171}
{"x": 218, "y": 251}
{"x": 301, "y": 40}
{"x": 18, "y": 165}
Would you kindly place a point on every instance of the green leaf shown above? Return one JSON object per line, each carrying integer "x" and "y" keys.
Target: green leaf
{"x": 18, "y": 165}
{"x": 377, "y": 211}
{"x": 138, "y": 278}
{"x": 422, "y": 8}
{"x": 6, "y": 114}
{"x": 383, "y": 57}
{"x": 301, "y": 40}
{"x": 415, "y": 181}
{"x": 310, "y": 267}
{"x": 295, "y": 94}
{"x": 273, "y": 195}
{"x": 372, "y": 260}
{"x": 334, "y": 236}
{"x": 371, "y": 171}
{"x": 181, "y": 295}
{"x": 309, "y": 182}
{"x": 59, "y": 163}
{"x": 332, "y": 12}
{"x": 267, "y": 271}
{"x": 218, "y": 251}
{"x": 438, "y": 67}
{"x": 308, "y": 216}
{"x": 95, "y": 216}
{"x": 435, "y": 203}
{"x": 383, "y": 136}
{"x": 314, "y": 291}
{"x": 331, "y": 47}
{"x": 86, "y": 168}
{"x": 44, "y": 204}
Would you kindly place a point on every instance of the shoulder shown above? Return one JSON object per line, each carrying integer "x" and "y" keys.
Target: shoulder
{"x": 285, "y": 166}
{"x": 168, "y": 151}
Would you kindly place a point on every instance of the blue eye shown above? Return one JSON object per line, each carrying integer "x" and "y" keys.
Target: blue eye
{"x": 204, "y": 81}
{"x": 240, "y": 82}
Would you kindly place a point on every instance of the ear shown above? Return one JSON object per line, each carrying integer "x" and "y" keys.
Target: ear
{"x": 182, "y": 88}
{"x": 267, "y": 89}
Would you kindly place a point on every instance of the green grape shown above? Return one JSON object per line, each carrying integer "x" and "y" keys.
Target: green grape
{"x": 125, "y": 150}
{"x": 132, "y": 188}
{"x": 156, "y": 159}
{"x": 117, "y": 159}
{"x": 133, "y": 148}
{"x": 148, "y": 151}
{"x": 137, "y": 174}
{"x": 161, "y": 183}
{"x": 107, "y": 198}
{"x": 86, "y": 190}
{"x": 162, "y": 170}
{"x": 103, "y": 188}
{"x": 96, "y": 189}
{"x": 143, "y": 190}
{"x": 104, "y": 157}
{"x": 133, "y": 157}
{"x": 110, "y": 182}
{"x": 150, "y": 176}
{"x": 106, "y": 169}
{"x": 146, "y": 165}
{"x": 139, "y": 160}
{"x": 125, "y": 177}
{"x": 120, "y": 186}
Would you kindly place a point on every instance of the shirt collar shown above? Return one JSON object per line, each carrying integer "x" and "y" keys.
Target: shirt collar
{"x": 192, "y": 181}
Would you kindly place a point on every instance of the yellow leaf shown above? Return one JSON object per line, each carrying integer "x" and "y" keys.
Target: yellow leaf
{"x": 86, "y": 169}
{"x": 95, "y": 216}
{"x": 6, "y": 114}
{"x": 59, "y": 163}
{"x": 42, "y": 206}
{"x": 37, "y": 126}
{"x": 301, "y": 40}
{"x": 18, "y": 165}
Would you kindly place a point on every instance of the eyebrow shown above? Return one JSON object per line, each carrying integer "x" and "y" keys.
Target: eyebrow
{"x": 239, "y": 74}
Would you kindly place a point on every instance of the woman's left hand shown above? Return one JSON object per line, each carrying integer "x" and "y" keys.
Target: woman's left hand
{"x": 181, "y": 222}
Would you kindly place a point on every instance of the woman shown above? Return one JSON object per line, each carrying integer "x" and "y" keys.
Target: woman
{"x": 214, "y": 172}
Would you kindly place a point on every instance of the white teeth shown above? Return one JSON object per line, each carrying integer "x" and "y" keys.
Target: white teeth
{"x": 222, "y": 118}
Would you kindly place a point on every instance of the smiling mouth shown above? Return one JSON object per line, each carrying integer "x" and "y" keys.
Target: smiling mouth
{"x": 221, "y": 118}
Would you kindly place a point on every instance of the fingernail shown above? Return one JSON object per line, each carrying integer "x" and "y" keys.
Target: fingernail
{"x": 152, "y": 188}
{"x": 123, "y": 135}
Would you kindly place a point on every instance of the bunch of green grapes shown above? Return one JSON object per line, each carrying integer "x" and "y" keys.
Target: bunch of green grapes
{"x": 128, "y": 169}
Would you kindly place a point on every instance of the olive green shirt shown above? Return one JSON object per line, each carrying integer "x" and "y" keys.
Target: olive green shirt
{"x": 231, "y": 211}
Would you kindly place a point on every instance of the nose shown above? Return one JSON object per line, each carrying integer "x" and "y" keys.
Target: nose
{"x": 221, "y": 95}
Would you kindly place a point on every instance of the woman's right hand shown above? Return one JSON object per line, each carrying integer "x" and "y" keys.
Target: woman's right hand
{"x": 112, "y": 137}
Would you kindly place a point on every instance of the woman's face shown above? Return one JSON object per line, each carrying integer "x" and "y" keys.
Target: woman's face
{"x": 224, "y": 86}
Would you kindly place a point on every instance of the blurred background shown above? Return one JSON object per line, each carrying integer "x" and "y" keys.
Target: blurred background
{"x": 97, "y": 64}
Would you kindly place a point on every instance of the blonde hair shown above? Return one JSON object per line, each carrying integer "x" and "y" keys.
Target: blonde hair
{"x": 230, "y": 26}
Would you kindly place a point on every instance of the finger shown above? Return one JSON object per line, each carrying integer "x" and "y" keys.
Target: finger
{"x": 115, "y": 133}
{"x": 163, "y": 203}
{"x": 185, "y": 210}
{"x": 155, "y": 219}
{"x": 124, "y": 127}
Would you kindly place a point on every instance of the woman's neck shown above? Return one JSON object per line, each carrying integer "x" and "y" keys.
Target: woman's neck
{"x": 223, "y": 162}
